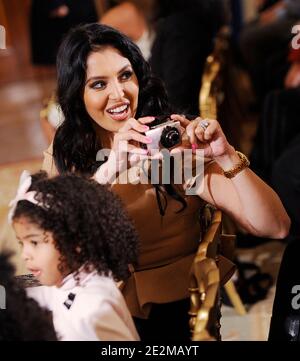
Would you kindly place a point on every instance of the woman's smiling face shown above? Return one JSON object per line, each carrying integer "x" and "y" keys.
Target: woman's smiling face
{"x": 111, "y": 89}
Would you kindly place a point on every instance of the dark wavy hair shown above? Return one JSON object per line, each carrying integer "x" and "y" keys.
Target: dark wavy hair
{"x": 83, "y": 215}
{"x": 75, "y": 143}
{"x": 22, "y": 319}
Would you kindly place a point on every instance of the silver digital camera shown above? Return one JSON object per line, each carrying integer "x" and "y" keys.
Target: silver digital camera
{"x": 165, "y": 133}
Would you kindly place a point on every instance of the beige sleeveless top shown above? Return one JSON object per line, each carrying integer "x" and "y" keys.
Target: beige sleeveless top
{"x": 167, "y": 244}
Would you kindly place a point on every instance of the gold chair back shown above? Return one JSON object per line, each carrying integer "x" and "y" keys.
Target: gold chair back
{"x": 211, "y": 93}
{"x": 205, "y": 284}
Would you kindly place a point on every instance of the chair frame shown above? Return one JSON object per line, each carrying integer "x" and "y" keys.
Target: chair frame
{"x": 205, "y": 285}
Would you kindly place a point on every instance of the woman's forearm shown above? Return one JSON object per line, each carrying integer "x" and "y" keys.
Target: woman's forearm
{"x": 262, "y": 210}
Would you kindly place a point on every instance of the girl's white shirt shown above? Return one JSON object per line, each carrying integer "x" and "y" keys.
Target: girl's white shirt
{"x": 97, "y": 312}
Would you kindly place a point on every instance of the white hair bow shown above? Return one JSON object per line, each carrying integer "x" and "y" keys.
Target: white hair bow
{"x": 22, "y": 194}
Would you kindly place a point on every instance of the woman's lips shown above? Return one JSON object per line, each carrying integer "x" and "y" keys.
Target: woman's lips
{"x": 121, "y": 115}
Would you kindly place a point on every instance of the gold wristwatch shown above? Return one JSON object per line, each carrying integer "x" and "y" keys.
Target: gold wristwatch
{"x": 244, "y": 163}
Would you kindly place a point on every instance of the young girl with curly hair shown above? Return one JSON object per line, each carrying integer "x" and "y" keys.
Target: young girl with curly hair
{"x": 77, "y": 241}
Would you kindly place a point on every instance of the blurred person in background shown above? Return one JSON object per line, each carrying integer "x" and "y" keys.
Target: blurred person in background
{"x": 176, "y": 37}
{"x": 22, "y": 319}
{"x": 264, "y": 43}
{"x": 50, "y": 20}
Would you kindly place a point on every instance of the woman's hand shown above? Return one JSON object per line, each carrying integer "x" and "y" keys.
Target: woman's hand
{"x": 125, "y": 148}
{"x": 206, "y": 135}
{"x": 131, "y": 132}
{"x": 245, "y": 197}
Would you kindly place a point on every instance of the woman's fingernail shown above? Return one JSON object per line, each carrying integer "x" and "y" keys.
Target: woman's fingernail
{"x": 145, "y": 127}
{"x": 194, "y": 146}
{"x": 148, "y": 140}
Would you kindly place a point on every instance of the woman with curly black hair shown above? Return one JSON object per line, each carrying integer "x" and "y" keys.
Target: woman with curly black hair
{"x": 109, "y": 99}
{"x": 21, "y": 318}
{"x": 77, "y": 241}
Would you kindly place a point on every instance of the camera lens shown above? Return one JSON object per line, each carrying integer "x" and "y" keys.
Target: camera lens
{"x": 170, "y": 137}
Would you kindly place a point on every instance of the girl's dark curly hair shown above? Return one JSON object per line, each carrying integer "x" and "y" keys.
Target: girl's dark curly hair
{"x": 88, "y": 222}
{"x": 22, "y": 319}
{"x": 75, "y": 143}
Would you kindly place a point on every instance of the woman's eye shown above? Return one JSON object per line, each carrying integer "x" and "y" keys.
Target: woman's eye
{"x": 98, "y": 85}
{"x": 34, "y": 243}
{"x": 21, "y": 244}
{"x": 126, "y": 75}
